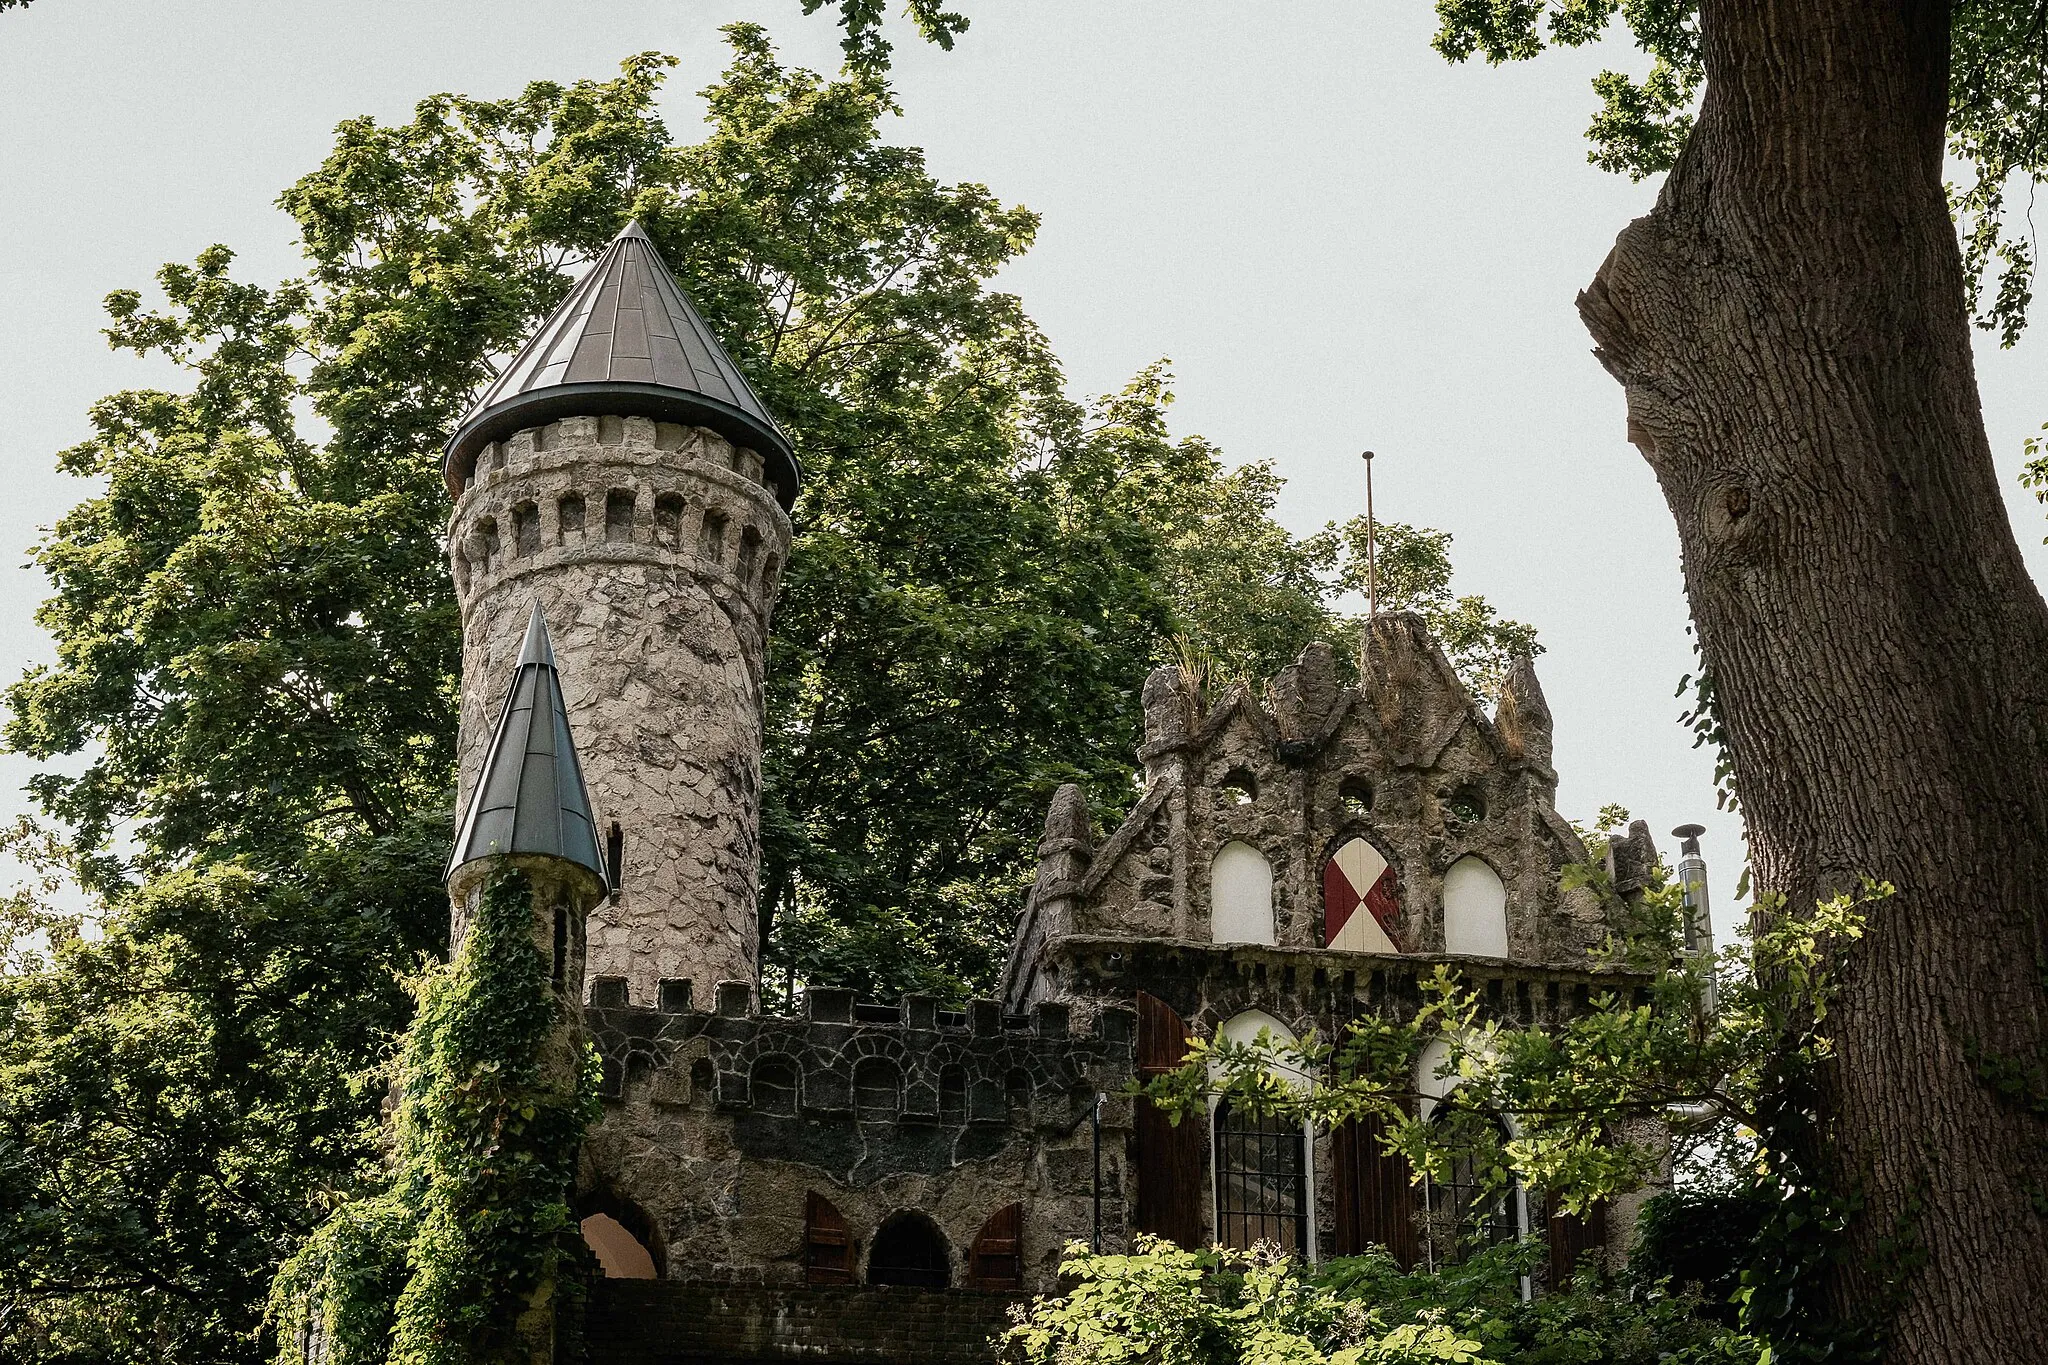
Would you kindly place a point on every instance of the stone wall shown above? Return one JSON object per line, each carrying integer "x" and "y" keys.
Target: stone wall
{"x": 644, "y": 1322}
{"x": 655, "y": 552}
{"x": 718, "y": 1123}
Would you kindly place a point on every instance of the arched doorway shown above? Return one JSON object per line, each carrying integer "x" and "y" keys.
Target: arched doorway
{"x": 910, "y": 1250}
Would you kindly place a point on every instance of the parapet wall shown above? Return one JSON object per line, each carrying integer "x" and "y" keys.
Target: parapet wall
{"x": 722, "y": 1125}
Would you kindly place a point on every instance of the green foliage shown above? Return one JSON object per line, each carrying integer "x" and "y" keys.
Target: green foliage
{"x": 496, "y": 1089}
{"x": 182, "y": 1095}
{"x": 1997, "y": 114}
{"x": 1191, "y": 1308}
{"x": 1734, "y": 1043}
{"x": 1701, "y": 1238}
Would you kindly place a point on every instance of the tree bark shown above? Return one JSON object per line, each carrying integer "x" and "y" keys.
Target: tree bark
{"x": 1790, "y": 326}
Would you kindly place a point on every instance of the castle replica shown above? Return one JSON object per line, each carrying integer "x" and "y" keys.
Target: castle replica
{"x": 878, "y": 1181}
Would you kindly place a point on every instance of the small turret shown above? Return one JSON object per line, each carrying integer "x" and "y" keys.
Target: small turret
{"x": 529, "y": 809}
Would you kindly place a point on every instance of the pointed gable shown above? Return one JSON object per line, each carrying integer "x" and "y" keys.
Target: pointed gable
{"x": 625, "y": 342}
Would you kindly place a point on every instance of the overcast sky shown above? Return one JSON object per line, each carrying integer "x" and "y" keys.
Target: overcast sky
{"x": 1341, "y": 241}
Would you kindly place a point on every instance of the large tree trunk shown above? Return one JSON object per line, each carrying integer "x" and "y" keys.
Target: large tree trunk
{"x": 1790, "y": 326}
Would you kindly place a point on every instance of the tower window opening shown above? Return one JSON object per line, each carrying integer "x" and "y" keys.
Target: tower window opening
{"x": 768, "y": 568}
{"x": 750, "y": 552}
{"x": 711, "y": 541}
{"x": 909, "y": 1250}
{"x": 1261, "y": 1181}
{"x": 1017, "y": 1092}
{"x": 615, "y": 859}
{"x": 569, "y": 517}
{"x": 561, "y": 975}
{"x": 1238, "y": 788}
{"x": 668, "y": 520}
{"x": 526, "y": 529}
{"x": 618, "y": 514}
{"x": 487, "y": 538}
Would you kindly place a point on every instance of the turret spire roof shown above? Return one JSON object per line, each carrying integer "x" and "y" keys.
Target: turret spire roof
{"x": 529, "y": 796}
{"x": 625, "y": 342}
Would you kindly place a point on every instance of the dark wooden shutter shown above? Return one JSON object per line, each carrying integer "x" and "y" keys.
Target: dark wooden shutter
{"x": 1572, "y": 1236}
{"x": 1171, "y": 1158}
{"x": 828, "y": 1247}
{"x": 996, "y": 1260}
{"x": 1375, "y": 1199}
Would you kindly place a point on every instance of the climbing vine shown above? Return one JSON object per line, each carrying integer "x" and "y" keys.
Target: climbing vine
{"x": 455, "y": 1260}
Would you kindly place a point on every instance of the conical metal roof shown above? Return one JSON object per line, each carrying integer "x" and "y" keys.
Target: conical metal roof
{"x": 627, "y": 343}
{"x": 530, "y": 797}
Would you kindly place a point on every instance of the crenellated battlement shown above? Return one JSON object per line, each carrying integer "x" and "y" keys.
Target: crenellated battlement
{"x": 910, "y": 1062}
{"x": 624, "y": 490}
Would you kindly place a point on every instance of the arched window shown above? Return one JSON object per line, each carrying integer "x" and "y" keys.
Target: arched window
{"x": 1017, "y": 1092}
{"x": 1238, "y": 788}
{"x": 909, "y": 1250}
{"x": 1475, "y": 910}
{"x": 1461, "y": 1214}
{"x": 1361, "y": 900}
{"x": 1240, "y": 896}
{"x": 773, "y": 1086}
{"x": 619, "y": 1253}
{"x": 1354, "y": 795}
{"x": 877, "y": 1091}
{"x": 1261, "y": 1164}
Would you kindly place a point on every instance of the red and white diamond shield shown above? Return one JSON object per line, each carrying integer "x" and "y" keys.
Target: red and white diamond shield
{"x": 1361, "y": 901}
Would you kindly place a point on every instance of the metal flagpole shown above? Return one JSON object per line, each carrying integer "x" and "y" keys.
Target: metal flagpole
{"x": 1372, "y": 566}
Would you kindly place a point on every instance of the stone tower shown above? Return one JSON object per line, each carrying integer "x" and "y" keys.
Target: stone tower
{"x": 622, "y": 476}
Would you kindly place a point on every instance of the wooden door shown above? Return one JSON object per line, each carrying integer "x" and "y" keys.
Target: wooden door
{"x": 996, "y": 1260}
{"x": 828, "y": 1246}
{"x": 1375, "y": 1201}
{"x": 1172, "y": 1158}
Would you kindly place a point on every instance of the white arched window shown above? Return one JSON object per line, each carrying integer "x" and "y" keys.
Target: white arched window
{"x": 1475, "y": 910}
{"x": 1261, "y": 1165}
{"x": 1240, "y": 896}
